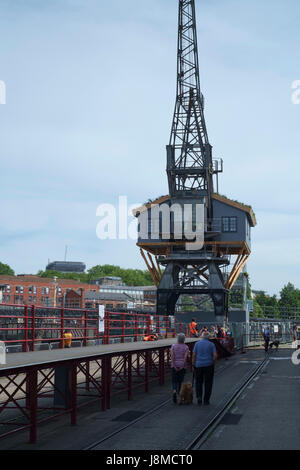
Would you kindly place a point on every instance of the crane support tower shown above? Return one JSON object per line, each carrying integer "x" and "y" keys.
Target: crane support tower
{"x": 189, "y": 237}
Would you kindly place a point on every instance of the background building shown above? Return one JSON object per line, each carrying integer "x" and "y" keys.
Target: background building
{"x": 66, "y": 266}
{"x": 29, "y": 289}
{"x": 143, "y": 296}
{"x": 108, "y": 281}
{"x": 111, "y": 301}
{"x": 35, "y": 290}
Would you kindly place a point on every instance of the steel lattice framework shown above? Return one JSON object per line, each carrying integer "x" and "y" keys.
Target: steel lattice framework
{"x": 200, "y": 270}
{"x": 189, "y": 162}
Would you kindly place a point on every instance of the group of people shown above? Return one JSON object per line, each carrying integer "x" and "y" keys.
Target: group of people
{"x": 203, "y": 360}
{"x": 214, "y": 332}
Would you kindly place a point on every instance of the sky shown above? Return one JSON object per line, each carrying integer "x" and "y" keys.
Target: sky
{"x": 90, "y": 93}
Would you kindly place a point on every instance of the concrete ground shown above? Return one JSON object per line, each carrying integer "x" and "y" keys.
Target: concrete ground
{"x": 266, "y": 416}
{"x": 15, "y": 360}
{"x": 171, "y": 427}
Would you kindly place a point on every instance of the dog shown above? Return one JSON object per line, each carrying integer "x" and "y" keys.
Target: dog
{"x": 186, "y": 394}
{"x": 274, "y": 343}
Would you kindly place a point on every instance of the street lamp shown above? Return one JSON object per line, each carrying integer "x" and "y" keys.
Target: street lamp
{"x": 55, "y": 288}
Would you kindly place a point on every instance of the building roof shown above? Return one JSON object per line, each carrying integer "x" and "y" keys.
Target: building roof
{"x": 113, "y": 296}
{"x": 45, "y": 281}
{"x": 66, "y": 266}
{"x": 73, "y": 291}
{"x": 217, "y": 197}
{"x": 136, "y": 288}
{"x": 237, "y": 205}
{"x": 112, "y": 278}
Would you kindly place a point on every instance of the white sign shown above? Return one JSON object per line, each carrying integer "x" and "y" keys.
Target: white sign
{"x": 2, "y": 353}
{"x": 101, "y": 319}
{"x": 276, "y": 329}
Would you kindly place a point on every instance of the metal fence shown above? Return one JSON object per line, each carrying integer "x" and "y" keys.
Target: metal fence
{"x": 27, "y": 328}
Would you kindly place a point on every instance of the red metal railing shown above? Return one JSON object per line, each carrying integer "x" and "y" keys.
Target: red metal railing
{"x": 29, "y": 392}
{"x": 30, "y": 326}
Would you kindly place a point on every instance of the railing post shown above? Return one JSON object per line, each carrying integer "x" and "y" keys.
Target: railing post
{"x": 123, "y": 326}
{"x": 167, "y": 327}
{"x": 107, "y": 316}
{"x": 85, "y": 328}
{"x": 136, "y": 328}
{"x": 32, "y": 327}
{"x": 73, "y": 394}
{"x": 161, "y": 366}
{"x": 158, "y": 325}
{"x": 168, "y": 358}
{"x": 129, "y": 376}
{"x": 147, "y": 370}
{"x": 32, "y": 380}
{"x": 148, "y": 325}
{"x": 103, "y": 381}
{"x": 108, "y": 381}
{"x": 24, "y": 348}
{"x": 87, "y": 376}
{"x": 62, "y": 327}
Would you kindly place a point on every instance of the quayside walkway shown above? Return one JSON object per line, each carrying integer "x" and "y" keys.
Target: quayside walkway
{"x": 151, "y": 420}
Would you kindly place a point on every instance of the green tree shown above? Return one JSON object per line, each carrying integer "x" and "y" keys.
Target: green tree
{"x": 249, "y": 290}
{"x": 236, "y": 297}
{"x": 5, "y": 269}
{"x": 257, "y": 310}
{"x": 269, "y": 305}
{"x": 82, "y": 277}
{"x": 131, "y": 277}
{"x": 289, "y": 299}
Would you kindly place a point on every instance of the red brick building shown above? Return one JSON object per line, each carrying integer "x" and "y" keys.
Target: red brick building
{"x": 111, "y": 301}
{"x": 35, "y": 290}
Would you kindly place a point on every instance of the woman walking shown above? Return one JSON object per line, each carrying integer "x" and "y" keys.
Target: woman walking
{"x": 179, "y": 355}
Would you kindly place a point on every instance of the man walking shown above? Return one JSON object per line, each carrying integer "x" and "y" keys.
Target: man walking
{"x": 266, "y": 336}
{"x": 204, "y": 358}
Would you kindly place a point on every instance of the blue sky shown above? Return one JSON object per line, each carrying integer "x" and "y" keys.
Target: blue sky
{"x": 90, "y": 95}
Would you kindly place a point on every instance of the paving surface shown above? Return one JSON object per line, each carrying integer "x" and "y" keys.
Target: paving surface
{"x": 266, "y": 416}
{"x": 43, "y": 357}
{"x": 171, "y": 427}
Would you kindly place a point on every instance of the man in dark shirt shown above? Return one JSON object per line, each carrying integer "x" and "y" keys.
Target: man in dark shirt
{"x": 266, "y": 338}
{"x": 204, "y": 357}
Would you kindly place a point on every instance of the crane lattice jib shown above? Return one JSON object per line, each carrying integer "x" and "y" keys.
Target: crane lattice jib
{"x": 189, "y": 152}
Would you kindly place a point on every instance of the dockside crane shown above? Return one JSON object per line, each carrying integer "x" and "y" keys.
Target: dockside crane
{"x": 190, "y": 172}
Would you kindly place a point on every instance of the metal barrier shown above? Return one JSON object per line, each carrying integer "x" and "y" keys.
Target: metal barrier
{"x": 257, "y": 340}
{"x": 32, "y": 394}
{"x": 31, "y": 327}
